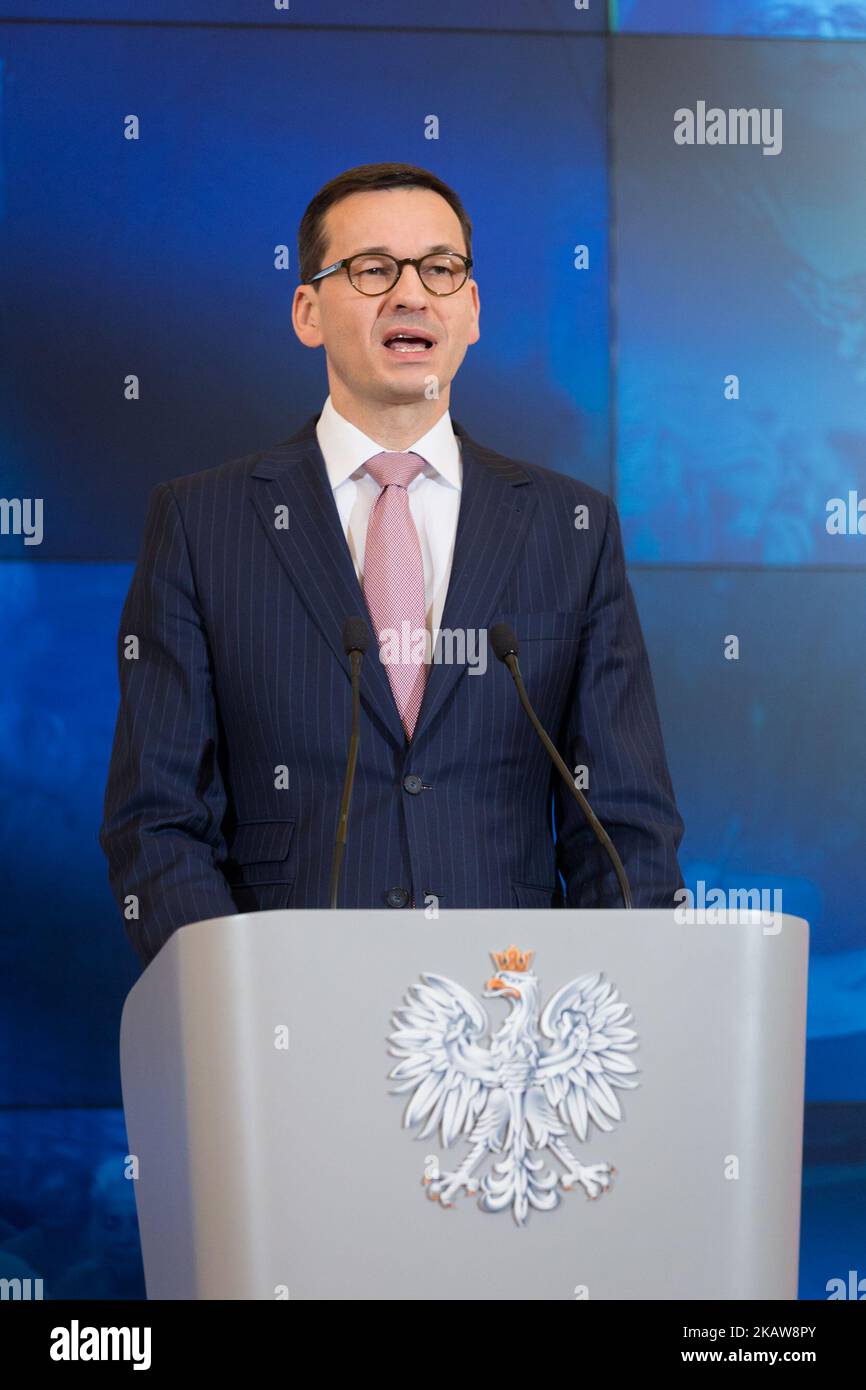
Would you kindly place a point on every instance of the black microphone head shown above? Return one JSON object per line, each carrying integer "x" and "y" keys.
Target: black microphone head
{"x": 356, "y": 636}
{"x": 502, "y": 640}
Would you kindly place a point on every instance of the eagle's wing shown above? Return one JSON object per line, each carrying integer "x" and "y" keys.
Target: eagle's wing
{"x": 442, "y": 1063}
{"x": 588, "y": 1056}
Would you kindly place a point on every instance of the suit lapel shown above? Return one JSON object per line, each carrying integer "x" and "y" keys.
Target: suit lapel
{"x": 496, "y": 506}
{"x": 316, "y": 556}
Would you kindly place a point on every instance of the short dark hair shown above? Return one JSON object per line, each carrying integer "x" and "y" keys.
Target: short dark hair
{"x": 311, "y": 233}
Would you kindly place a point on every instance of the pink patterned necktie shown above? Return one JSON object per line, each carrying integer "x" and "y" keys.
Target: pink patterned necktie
{"x": 394, "y": 581}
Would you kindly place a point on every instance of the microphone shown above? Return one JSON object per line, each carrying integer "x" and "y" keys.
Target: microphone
{"x": 356, "y": 639}
{"x": 504, "y": 644}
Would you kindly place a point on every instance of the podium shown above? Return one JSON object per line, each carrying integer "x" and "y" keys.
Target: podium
{"x": 258, "y": 1059}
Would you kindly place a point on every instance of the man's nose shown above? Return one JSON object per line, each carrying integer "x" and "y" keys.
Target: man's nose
{"x": 408, "y": 288}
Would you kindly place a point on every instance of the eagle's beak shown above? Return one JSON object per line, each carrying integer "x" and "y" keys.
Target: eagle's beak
{"x": 497, "y": 984}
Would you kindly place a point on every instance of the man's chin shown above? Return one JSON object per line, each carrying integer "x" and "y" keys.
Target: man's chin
{"x": 413, "y": 386}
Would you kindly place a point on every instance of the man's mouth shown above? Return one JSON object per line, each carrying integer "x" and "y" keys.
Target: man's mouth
{"x": 406, "y": 343}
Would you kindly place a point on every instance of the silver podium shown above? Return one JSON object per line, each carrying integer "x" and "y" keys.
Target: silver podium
{"x": 525, "y": 1104}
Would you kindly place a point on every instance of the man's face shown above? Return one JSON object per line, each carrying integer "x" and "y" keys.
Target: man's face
{"x": 352, "y": 326}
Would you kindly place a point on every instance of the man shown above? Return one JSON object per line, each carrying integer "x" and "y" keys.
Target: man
{"x": 231, "y": 742}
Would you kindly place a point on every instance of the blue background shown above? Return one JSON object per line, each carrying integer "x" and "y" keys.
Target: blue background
{"x": 157, "y": 257}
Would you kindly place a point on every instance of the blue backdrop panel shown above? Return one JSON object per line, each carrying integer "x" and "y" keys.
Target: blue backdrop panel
{"x": 766, "y": 759}
{"x": 65, "y": 965}
{"x": 544, "y": 15}
{"x": 67, "y": 1208}
{"x": 730, "y": 261}
{"x": 830, "y": 19}
{"x": 156, "y": 256}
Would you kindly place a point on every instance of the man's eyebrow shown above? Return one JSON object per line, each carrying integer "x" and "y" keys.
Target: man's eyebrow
{"x": 386, "y": 250}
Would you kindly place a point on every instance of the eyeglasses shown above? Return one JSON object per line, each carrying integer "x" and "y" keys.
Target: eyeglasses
{"x": 440, "y": 273}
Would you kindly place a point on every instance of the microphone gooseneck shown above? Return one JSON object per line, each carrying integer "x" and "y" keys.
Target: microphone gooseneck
{"x": 356, "y": 639}
{"x": 504, "y": 644}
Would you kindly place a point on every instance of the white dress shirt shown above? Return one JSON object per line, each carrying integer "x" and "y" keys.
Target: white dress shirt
{"x": 434, "y": 496}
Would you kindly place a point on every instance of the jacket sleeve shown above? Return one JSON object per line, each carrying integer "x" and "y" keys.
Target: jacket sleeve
{"x": 164, "y": 798}
{"x": 612, "y": 727}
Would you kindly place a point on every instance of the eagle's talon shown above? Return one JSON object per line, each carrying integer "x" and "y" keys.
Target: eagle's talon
{"x": 595, "y": 1179}
{"x": 445, "y": 1186}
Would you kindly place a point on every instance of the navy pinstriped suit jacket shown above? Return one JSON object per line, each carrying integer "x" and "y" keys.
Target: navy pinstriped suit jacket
{"x": 240, "y": 672}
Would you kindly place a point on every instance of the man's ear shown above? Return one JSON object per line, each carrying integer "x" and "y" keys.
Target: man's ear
{"x": 473, "y": 290}
{"x": 305, "y": 316}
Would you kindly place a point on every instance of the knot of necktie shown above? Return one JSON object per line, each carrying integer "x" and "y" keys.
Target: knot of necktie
{"x": 397, "y": 468}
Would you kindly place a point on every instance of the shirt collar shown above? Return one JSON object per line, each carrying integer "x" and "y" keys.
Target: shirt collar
{"x": 345, "y": 448}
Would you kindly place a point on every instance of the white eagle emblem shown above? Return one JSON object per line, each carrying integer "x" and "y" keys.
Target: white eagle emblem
{"x": 543, "y": 1073}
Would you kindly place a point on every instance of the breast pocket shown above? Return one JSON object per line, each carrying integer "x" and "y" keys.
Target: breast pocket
{"x": 259, "y": 852}
{"x": 548, "y": 648}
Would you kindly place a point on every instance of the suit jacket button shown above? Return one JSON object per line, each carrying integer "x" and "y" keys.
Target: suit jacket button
{"x": 412, "y": 783}
{"x": 396, "y": 897}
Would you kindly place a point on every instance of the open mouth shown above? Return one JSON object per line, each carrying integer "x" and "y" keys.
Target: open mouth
{"x": 408, "y": 343}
